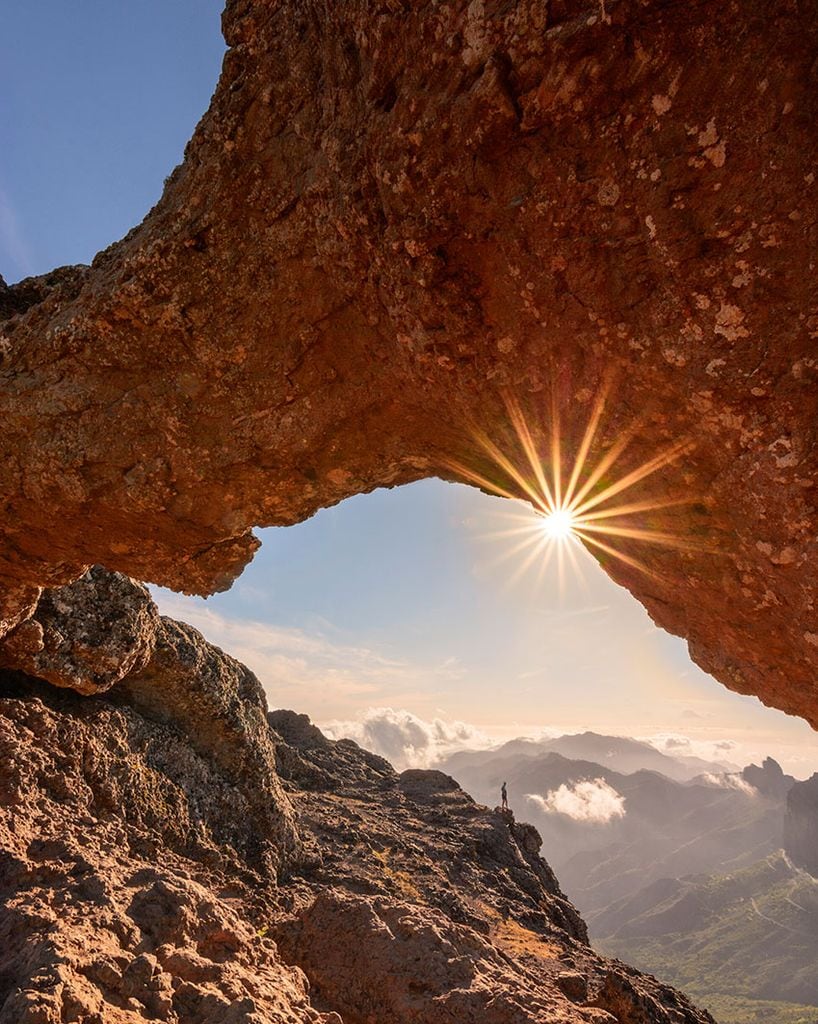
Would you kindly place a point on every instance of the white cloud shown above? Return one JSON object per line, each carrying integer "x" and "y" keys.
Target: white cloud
{"x": 676, "y": 744}
{"x": 404, "y": 739}
{"x": 306, "y": 670}
{"x": 728, "y": 780}
{"x": 591, "y": 800}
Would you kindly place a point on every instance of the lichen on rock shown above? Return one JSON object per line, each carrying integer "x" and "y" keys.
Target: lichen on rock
{"x": 86, "y": 636}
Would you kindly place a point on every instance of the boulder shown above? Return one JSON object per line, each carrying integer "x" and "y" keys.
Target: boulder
{"x": 87, "y": 635}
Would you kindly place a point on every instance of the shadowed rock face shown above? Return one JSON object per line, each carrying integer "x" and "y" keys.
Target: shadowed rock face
{"x": 394, "y": 214}
{"x": 104, "y": 631}
{"x": 126, "y": 874}
{"x": 801, "y": 825}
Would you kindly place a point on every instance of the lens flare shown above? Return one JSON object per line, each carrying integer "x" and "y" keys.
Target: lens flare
{"x": 573, "y": 497}
{"x": 558, "y": 525}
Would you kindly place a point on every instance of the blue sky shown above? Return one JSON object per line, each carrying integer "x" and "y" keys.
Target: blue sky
{"x": 400, "y": 598}
{"x": 98, "y": 101}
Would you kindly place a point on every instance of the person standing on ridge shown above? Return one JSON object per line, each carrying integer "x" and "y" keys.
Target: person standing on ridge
{"x": 503, "y": 797}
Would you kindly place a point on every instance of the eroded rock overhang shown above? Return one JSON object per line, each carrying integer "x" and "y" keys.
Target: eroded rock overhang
{"x": 395, "y": 215}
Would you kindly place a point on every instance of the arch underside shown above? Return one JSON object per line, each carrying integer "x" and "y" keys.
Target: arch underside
{"x": 396, "y": 223}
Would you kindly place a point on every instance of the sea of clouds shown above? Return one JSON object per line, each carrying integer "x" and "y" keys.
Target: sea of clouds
{"x": 676, "y": 745}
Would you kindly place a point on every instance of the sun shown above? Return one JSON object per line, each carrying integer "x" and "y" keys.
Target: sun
{"x": 570, "y": 500}
{"x": 558, "y": 525}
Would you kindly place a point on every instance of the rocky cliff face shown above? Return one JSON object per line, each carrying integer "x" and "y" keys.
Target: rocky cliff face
{"x": 393, "y": 219}
{"x": 167, "y": 853}
{"x": 105, "y": 629}
{"x": 770, "y": 779}
{"x": 801, "y": 825}
{"x": 123, "y": 874}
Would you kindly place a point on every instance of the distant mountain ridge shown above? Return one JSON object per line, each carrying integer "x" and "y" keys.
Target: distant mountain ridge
{"x": 801, "y": 824}
{"x": 668, "y": 828}
{"x": 621, "y": 753}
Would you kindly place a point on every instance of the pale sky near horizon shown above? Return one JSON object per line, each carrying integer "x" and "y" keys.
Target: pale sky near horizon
{"x": 400, "y": 598}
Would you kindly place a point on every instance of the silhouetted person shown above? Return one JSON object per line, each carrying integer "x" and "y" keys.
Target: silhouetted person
{"x": 503, "y": 797}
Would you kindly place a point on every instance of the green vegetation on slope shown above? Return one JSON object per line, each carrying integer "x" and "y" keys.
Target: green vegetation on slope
{"x": 734, "y": 1010}
{"x": 739, "y": 943}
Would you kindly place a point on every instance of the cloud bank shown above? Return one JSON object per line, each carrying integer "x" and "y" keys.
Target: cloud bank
{"x": 591, "y": 800}
{"x": 676, "y": 745}
{"x": 729, "y": 780}
{"x": 404, "y": 739}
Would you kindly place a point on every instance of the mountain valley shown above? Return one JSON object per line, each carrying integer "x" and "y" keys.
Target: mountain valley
{"x": 685, "y": 876}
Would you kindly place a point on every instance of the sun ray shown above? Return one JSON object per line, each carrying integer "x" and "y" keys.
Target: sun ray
{"x": 633, "y": 507}
{"x": 546, "y": 561}
{"x": 517, "y": 549}
{"x": 524, "y": 566}
{"x": 634, "y": 532}
{"x": 481, "y": 481}
{"x": 587, "y": 440}
{"x": 518, "y": 531}
{"x": 633, "y": 562}
{"x": 576, "y": 563}
{"x": 605, "y": 463}
{"x": 508, "y": 466}
{"x": 555, "y": 452}
{"x": 561, "y": 568}
{"x": 572, "y": 502}
{"x": 646, "y": 469}
{"x": 524, "y": 434}
{"x": 534, "y": 537}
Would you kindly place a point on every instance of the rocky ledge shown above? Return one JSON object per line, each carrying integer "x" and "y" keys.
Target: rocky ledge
{"x": 169, "y": 852}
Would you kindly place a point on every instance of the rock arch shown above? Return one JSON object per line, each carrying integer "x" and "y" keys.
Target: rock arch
{"x": 393, "y": 216}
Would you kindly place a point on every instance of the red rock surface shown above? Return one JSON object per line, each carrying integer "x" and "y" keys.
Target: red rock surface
{"x": 122, "y": 885}
{"x": 105, "y": 630}
{"x": 392, "y": 216}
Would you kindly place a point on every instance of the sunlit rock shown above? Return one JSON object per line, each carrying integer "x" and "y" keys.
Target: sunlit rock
{"x": 386, "y": 225}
